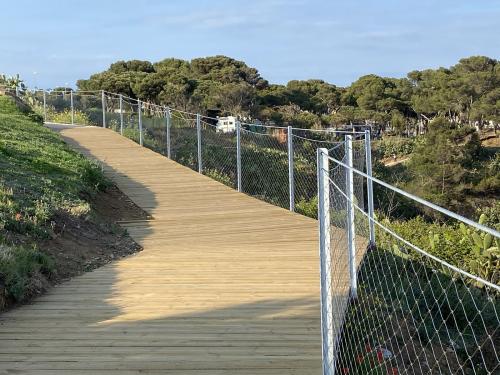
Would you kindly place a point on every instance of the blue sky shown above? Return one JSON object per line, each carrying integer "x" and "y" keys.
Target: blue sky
{"x": 338, "y": 41}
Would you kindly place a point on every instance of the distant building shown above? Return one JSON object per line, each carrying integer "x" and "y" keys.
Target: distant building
{"x": 227, "y": 124}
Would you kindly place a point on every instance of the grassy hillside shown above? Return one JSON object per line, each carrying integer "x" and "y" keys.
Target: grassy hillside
{"x": 45, "y": 188}
{"x": 40, "y": 174}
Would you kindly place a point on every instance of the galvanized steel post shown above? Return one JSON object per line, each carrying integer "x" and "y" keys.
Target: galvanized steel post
{"x": 291, "y": 184}
{"x": 350, "y": 216}
{"x": 169, "y": 120}
{"x": 44, "y": 106}
{"x": 121, "y": 114}
{"x": 325, "y": 261}
{"x": 238, "y": 155}
{"x": 198, "y": 136}
{"x": 103, "y": 99}
{"x": 72, "y": 107}
{"x": 139, "y": 113}
{"x": 369, "y": 185}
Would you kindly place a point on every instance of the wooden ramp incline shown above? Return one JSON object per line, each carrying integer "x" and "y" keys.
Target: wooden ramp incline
{"x": 226, "y": 284}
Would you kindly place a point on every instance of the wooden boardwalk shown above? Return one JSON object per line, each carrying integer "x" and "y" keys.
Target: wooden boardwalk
{"x": 226, "y": 284}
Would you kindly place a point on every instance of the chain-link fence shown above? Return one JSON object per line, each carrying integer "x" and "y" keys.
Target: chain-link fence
{"x": 219, "y": 153}
{"x": 264, "y": 165}
{"x": 394, "y": 306}
{"x": 184, "y": 139}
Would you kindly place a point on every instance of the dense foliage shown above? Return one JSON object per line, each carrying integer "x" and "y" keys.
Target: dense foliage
{"x": 448, "y": 166}
{"x": 466, "y": 93}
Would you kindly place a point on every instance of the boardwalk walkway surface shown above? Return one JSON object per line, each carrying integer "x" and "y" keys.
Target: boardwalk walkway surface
{"x": 226, "y": 284}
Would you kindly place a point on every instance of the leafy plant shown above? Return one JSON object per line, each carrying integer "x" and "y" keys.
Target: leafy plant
{"x": 485, "y": 254}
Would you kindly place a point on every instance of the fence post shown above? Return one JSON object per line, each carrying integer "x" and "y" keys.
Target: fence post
{"x": 198, "y": 135}
{"x": 44, "y": 106}
{"x": 238, "y": 155}
{"x": 325, "y": 261}
{"x": 167, "y": 115}
{"x": 369, "y": 185}
{"x": 121, "y": 114}
{"x": 103, "y": 98}
{"x": 72, "y": 107}
{"x": 139, "y": 115}
{"x": 291, "y": 182}
{"x": 349, "y": 189}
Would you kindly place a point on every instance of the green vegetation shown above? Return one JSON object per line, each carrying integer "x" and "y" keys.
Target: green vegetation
{"x": 448, "y": 166}
{"x": 466, "y": 93}
{"x": 389, "y": 147}
{"x": 40, "y": 177}
{"x": 19, "y": 268}
{"x": 64, "y": 117}
{"x": 455, "y": 243}
{"x": 11, "y": 82}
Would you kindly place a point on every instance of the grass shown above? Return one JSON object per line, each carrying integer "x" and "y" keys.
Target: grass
{"x": 40, "y": 176}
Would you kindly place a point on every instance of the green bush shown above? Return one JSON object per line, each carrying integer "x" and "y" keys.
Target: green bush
{"x": 308, "y": 207}
{"x": 460, "y": 245}
{"x": 19, "y": 267}
{"x": 64, "y": 117}
{"x": 399, "y": 146}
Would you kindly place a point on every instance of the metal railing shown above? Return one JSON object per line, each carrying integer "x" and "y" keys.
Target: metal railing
{"x": 399, "y": 309}
{"x": 389, "y": 304}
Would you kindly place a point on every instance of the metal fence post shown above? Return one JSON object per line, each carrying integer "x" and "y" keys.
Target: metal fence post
{"x": 169, "y": 124}
{"x": 139, "y": 116}
{"x": 103, "y": 98}
{"x": 325, "y": 261}
{"x": 44, "y": 106}
{"x": 121, "y": 114}
{"x": 238, "y": 155}
{"x": 349, "y": 189}
{"x": 72, "y": 107}
{"x": 291, "y": 183}
{"x": 369, "y": 185}
{"x": 198, "y": 136}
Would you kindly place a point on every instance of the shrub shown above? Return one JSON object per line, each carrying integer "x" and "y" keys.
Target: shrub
{"x": 20, "y": 270}
{"x": 64, "y": 117}
{"x": 389, "y": 146}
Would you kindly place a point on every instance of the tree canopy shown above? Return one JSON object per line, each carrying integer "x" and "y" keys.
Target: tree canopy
{"x": 467, "y": 93}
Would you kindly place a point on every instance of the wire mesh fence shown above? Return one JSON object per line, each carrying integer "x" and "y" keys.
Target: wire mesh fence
{"x": 87, "y": 109}
{"x": 219, "y": 154}
{"x": 304, "y": 159}
{"x": 264, "y": 160}
{"x": 154, "y": 127}
{"x": 184, "y": 139}
{"x": 403, "y": 310}
{"x": 305, "y": 145}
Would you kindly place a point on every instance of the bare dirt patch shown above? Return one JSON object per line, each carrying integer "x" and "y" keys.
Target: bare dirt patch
{"x": 114, "y": 206}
